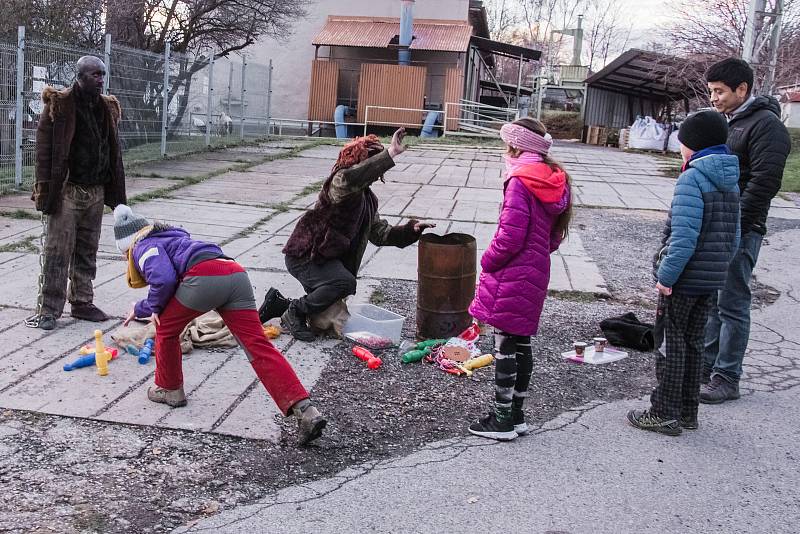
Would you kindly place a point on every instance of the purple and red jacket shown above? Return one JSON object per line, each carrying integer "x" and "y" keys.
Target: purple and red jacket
{"x": 516, "y": 267}
{"x": 162, "y": 257}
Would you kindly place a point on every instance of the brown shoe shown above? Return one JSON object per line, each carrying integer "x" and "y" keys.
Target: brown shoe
{"x": 89, "y": 312}
{"x": 172, "y": 397}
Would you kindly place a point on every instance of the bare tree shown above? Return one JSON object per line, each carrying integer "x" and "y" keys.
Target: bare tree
{"x": 607, "y": 34}
{"x": 707, "y": 33}
{"x": 78, "y": 22}
{"x": 503, "y": 17}
{"x": 195, "y": 29}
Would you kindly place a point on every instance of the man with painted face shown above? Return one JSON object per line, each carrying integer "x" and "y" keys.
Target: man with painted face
{"x": 759, "y": 139}
{"x": 78, "y": 171}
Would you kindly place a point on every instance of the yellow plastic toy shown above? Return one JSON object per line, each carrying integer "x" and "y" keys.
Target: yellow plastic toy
{"x": 477, "y": 363}
{"x": 101, "y": 355}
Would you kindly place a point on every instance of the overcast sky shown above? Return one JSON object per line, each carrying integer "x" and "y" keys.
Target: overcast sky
{"x": 646, "y": 15}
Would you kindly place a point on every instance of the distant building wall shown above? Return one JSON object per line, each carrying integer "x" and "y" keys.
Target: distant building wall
{"x": 292, "y": 59}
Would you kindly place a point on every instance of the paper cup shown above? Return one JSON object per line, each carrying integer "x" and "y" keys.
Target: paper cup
{"x": 599, "y": 344}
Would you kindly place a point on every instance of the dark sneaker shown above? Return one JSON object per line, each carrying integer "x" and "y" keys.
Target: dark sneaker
{"x": 689, "y": 423}
{"x": 490, "y": 427}
{"x": 645, "y": 420}
{"x": 172, "y": 397}
{"x": 518, "y": 420}
{"x": 718, "y": 391}
{"x": 274, "y": 305}
{"x": 296, "y": 324}
{"x": 705, "y": 375}
{"x": 310, "y": 424}
{"x": 47, "y": 322}
{"x": 89, "y": 312}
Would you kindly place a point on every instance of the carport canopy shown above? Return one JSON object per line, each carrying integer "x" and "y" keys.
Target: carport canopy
{"x": 651, "y": 75}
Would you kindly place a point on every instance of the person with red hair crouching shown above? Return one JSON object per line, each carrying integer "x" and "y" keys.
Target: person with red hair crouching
{"x": 326, "y": 247}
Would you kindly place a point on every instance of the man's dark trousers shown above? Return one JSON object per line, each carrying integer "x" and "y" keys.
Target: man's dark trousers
{"x": 73, "y": 235}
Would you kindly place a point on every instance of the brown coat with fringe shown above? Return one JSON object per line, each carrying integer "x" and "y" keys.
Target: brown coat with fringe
{"x": 54, "y": 137}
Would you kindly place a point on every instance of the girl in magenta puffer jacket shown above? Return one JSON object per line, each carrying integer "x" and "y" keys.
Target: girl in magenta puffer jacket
{"x": 516, "y": 268}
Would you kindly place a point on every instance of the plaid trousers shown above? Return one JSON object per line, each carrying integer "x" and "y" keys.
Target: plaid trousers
{"x": 678, "y": 373}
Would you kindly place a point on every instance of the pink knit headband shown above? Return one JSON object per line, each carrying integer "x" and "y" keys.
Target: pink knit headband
{"x": 525, "y": 140}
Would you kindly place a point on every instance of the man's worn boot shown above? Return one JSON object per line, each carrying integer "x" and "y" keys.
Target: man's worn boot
{"x": 89, "y": 312}
{"x": 718, "y": 391}
{"x": 172, "y": 397}
{"x": 295, "y": 322}
{"x": 310, "y": 422}
{"x": 274, "y": 305}
{"x": 47, "y": 322}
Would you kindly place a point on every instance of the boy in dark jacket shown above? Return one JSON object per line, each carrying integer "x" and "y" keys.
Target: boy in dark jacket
{"x": 188, "y": 278}
{"x": 700, "y": 238}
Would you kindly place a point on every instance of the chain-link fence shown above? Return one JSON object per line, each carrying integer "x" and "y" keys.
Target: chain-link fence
{"x": 8, "y": 103}
{"x": 171, "y": 103}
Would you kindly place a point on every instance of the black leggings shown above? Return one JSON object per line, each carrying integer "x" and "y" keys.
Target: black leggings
{"x": 513, "y": 367}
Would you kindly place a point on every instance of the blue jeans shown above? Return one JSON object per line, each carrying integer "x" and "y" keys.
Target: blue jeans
{"x": 728, "y": 326}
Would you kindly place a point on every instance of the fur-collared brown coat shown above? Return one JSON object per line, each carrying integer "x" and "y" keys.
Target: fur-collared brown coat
{"x": 54, "y": 137}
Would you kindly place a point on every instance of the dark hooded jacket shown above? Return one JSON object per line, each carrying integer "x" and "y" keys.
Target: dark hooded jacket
{"x": 761, "y": 142}
{"x": 346, "y": 217}
{"x": 55, "y": 136}
{"x": 702, "y": 231}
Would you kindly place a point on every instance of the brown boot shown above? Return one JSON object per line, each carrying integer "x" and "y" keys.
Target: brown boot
{"x": 310, "y": 422}
{"x": 172, "y": 397}
{"x": 89, "y": 312}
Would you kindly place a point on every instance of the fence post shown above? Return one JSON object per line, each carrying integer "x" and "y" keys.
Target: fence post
{"x": 269, "y": 97}
{"x": 230, "y": 84}
{"x": 18, "y": 117}
{"x": 241, "y": 120}
{"x": 107, "y": 61}
{"x": 210, "y": 99}
{"x": 165, "y": 102}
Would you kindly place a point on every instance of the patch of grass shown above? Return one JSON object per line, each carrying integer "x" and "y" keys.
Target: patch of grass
{"x": 791, "y": 173}
{"x": 378, "y": 297}
{"x": 26, "y": 245}
{"x": 577, "y": 296}
{"x": 21, "y": 214}
{"x": 312, "y": 188}
{"x": 241, "y": 167}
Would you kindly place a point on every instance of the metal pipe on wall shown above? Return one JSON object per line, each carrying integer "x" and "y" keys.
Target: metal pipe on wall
{"x": 406, "y": 31}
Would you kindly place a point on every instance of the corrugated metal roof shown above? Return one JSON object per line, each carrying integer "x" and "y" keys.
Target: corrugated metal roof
{"x": 374, "y": 32}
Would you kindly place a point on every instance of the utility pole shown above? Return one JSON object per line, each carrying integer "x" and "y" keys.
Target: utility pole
{"x": 762, "y": 37}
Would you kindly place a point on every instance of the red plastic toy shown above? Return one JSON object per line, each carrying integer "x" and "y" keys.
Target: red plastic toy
{"x": 373, "y": 362}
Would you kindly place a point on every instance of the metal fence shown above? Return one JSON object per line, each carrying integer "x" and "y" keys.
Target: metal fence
{"x": 171, "y": 103}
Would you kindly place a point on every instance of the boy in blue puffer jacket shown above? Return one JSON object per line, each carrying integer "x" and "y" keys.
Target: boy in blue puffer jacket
{"x": 700, "y": 238}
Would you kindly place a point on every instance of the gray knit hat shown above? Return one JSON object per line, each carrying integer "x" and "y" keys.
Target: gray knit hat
{"x": 126, "y": 224}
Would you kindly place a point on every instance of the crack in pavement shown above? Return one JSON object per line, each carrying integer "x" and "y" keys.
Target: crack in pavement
{"x": 455, "y": 448}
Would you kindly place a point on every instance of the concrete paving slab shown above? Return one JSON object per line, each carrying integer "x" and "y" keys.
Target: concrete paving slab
{"x": 475, "y": 210}
{"x": 22, "y": 384}
{"x": 9, "y": 317}
{"x": 424, "y": 209}
{"x": 267, "y": 255}
{"x": 13, "y": 230}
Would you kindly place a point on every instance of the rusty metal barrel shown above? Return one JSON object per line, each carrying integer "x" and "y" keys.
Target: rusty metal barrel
{"x": 446, "y": 270}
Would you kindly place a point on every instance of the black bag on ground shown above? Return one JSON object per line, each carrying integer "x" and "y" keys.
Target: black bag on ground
{"x": 628, "y": 331}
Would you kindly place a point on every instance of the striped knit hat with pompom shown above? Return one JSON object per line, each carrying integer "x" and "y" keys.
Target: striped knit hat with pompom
{"x": 126, "y": 224}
